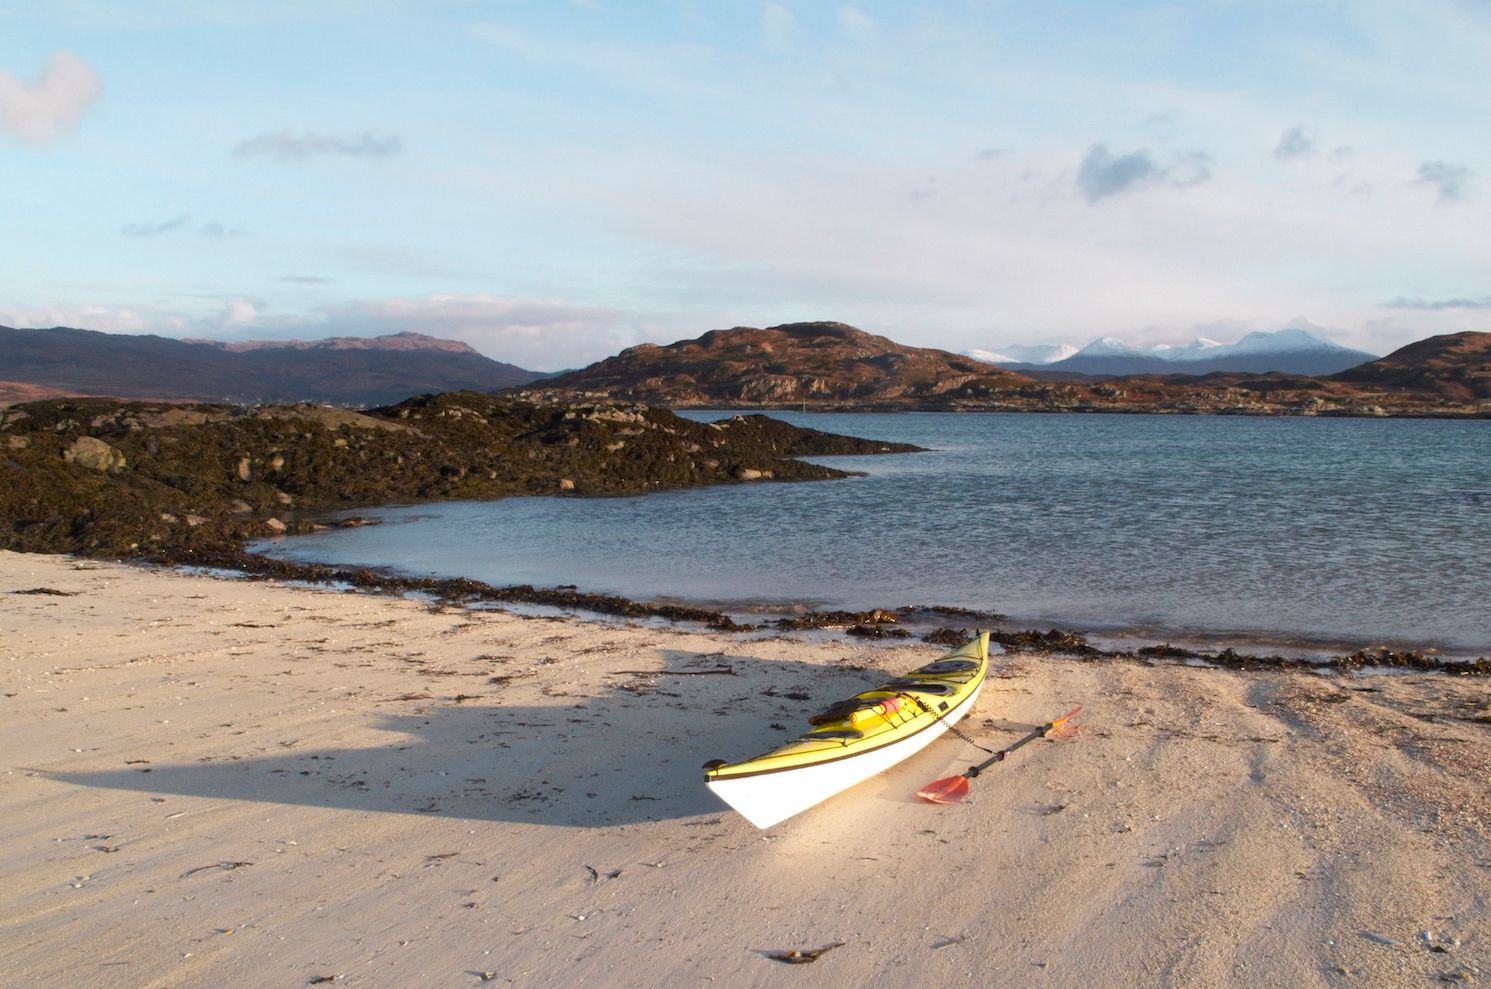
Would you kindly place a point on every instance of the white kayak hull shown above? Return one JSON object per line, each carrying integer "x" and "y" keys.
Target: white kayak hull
{"x": 771, "y": 797}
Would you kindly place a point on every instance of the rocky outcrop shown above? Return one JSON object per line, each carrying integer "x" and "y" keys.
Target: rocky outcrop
{"x": 94, "y": 454}
{"x": 102, "y": 476}
{"x": 781, "y": 366}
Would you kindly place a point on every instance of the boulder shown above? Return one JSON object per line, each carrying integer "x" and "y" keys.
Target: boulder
{"x": 95, "y": 454}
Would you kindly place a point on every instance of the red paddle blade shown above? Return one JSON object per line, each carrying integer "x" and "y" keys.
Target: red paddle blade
{"x": 1066, "y": 717}
{"x": 951, "y": 790}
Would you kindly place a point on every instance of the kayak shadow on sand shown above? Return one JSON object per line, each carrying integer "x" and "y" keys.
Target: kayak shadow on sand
{"x": 625, "y": 749}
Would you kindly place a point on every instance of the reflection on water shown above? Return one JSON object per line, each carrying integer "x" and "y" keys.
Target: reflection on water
{"x": 1288, "y": 527}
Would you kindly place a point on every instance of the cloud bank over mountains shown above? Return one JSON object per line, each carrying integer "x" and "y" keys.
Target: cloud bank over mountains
{"x": 944, "y": 174}
{"x": 538, "y": 334}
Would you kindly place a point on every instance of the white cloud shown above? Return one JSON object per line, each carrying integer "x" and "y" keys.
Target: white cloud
{"x": 105, "y": 319}
{"x": 1440, "y": 305}
{"x": 779, "y": 25}
{"x": 40, "y": 112}
{"x": 855, "y": 23}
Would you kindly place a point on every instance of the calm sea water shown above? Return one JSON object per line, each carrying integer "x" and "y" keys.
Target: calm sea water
{"x": 1285, "y": 530}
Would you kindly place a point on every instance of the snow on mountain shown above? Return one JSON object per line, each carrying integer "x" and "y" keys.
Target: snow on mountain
{"x": 1196, "y": 349}
{"x": 990, "y": 357}
{"x": 1111, "y": 347}
{"x": 1039, "y": 353}
{"x": 1291, "y": 350}
{"x": 1023, "y": 353}
{"x": 1281, "y": 341}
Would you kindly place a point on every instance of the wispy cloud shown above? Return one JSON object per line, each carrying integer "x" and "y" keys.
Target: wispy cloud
{"x": 40, "y": 112}
{"x": 1439, "y": 305}
{"x": 213, "y": 229}
{"x": 306, "y": 280}
{"x": 154, "y": 228}
{"x": 1293, "y": 143}
{"x": 779, "y": 25}
{"x": 855, "y": 23}
{"x": 287, "y": 145}
{"x": 1449, "y": 180}
{"x": 220, "y": 231}
{"x": 1102, "y": 174}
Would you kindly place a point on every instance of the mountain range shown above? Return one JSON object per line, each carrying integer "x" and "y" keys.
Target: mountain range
{"x": 821, "y": 365}
{"x": 1288, "y": 351}
{"x": 352, "y": 371}
{"x": 836, "y": 366}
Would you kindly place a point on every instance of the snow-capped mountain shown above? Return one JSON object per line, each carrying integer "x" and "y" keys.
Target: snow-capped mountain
{"x": 990, "y": 356}
{"x": 1110, "y": 347}
{"x": 1293, "y": 351}
{"x": 1194, "y": 350}
{"x": 1027, "y": 353}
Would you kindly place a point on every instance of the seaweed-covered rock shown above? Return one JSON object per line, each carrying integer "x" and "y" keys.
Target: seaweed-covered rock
{"x": 101, "y": 476}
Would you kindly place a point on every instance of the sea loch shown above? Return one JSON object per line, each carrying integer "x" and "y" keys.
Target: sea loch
{"x": 1304, "y": 533}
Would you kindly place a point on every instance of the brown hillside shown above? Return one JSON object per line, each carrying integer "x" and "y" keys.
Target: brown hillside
{"x": 783, "y": 365}
{"x": 835, "y": 366}
{"x": 1456, "y": 366}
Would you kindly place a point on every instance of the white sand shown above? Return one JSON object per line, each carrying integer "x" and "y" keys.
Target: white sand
{"x": 218, "y": 783}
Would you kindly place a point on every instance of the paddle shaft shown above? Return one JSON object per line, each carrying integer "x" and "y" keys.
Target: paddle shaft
{"x": 1003, "y": 753}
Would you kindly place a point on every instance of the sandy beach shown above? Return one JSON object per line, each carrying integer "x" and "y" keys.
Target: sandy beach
{"x": 210, "y": 782}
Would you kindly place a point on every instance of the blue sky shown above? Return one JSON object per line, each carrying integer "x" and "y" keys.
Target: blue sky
{"x": 554, "y": 181}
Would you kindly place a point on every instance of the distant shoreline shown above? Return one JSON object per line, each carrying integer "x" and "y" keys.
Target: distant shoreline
{"x": 1451, "y": 413}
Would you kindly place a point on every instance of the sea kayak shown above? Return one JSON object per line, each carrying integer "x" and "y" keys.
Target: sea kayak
{"x": 854, "y": 739}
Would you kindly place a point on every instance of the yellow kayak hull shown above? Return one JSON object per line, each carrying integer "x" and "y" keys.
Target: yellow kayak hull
{"x": 854, "y": 739}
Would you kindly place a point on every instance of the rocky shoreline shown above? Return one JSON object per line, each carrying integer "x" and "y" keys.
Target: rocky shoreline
{"x": 874, "y": 623}
{"x": 189, "y": 483}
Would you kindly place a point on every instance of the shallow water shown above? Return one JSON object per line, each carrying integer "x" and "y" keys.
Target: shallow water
{"x": 1337, "y": 530}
